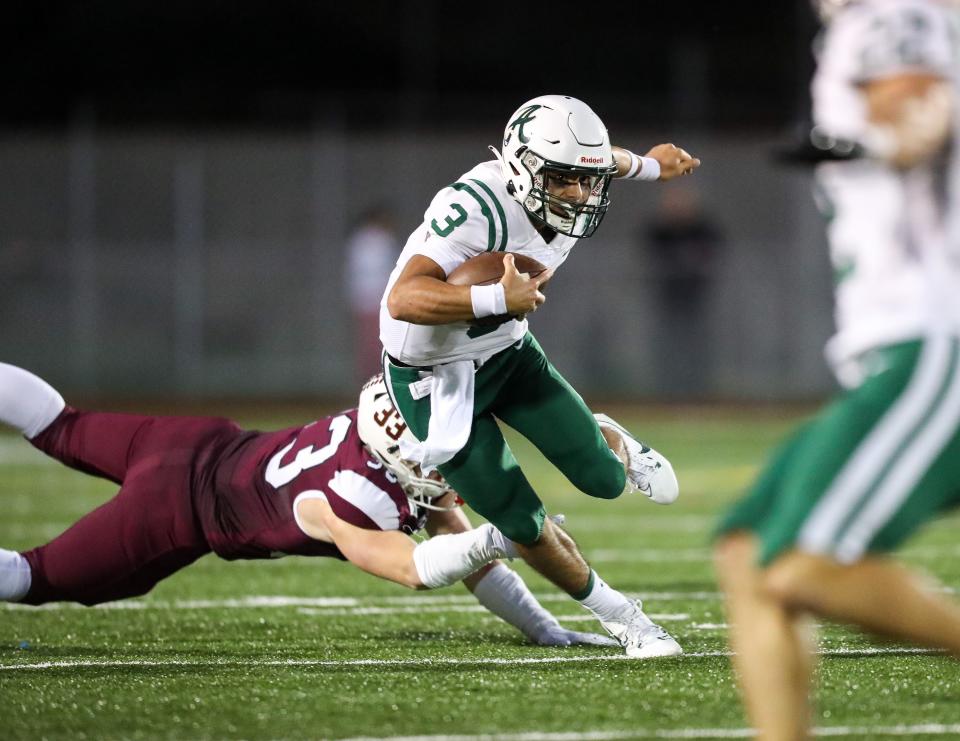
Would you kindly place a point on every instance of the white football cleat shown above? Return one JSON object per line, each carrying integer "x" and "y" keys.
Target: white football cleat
{"x": 647, "y": 471}
{"x": 640, "y": 636}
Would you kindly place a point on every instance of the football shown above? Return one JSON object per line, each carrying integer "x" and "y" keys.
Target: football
{"x": 486, "y": 269}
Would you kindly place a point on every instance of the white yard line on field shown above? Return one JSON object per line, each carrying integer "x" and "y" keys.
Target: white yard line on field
{"x": 319, "y": 606}
{"x": 414, "y": 610}
{"x": 650, "y": 555}
{"x": 926, "y": 729}
{"x": 361, "y": 604}
{"x": 484, "y": 661}
{"x": 661, "y": 522}
{"x": 48, "y": 530}
{"x": 703, "y": 555}
{"x": 200, "y": 604}
{"x": 660, "y": 617}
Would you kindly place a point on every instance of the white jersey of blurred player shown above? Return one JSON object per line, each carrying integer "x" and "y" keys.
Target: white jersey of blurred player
{"x": 895, "y": 252}
{"x": 474, "y": 215}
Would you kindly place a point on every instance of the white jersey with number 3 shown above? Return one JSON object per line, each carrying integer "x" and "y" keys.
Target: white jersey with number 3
{"x": 472, "y": 216}
{"x": 892, "y": 242}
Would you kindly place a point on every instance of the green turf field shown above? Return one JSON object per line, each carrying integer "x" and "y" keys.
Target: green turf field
{"x": 301, "y": 648}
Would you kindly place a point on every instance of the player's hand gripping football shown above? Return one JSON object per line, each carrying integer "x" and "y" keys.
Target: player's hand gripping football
{"x": 673, "y": 160}
{"x": 522, "y": 293}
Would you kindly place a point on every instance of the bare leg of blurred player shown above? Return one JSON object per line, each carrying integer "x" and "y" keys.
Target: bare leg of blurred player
{"x": 775, "y": 690}
{"x": 874, "y": 593}
{"x": 767, "y": 610}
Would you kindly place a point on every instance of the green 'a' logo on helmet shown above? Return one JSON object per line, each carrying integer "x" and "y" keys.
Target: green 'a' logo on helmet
{"x": 525, "y": 117}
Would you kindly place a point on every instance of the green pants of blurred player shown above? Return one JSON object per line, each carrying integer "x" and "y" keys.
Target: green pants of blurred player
{"x": 871, "y": 468}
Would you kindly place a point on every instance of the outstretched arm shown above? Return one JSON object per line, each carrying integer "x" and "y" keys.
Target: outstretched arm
{"x": 438, "y": 562}
{"x": 455, "y": 552}
{"x": 663, "y": 162}
{"x": 388, "y": 555}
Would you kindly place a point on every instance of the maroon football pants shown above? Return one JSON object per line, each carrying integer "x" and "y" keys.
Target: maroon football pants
{"x": 149, "y": 530}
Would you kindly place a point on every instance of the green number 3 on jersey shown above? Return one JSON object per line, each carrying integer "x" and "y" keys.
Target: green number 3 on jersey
{"x": 451, "y": 222}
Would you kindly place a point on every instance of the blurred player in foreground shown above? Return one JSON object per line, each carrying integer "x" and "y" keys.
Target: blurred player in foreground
{"x": 811, "y": 538}
{"x": 192, "y": 485}
{"x": 452, "y": 378}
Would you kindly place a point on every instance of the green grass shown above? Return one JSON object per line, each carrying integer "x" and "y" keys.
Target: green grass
{"x": 176, "y": 666}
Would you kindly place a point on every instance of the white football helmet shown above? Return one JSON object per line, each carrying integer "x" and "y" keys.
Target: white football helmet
{"x": 381, "y": 428}
{"x": 560, "y": 134}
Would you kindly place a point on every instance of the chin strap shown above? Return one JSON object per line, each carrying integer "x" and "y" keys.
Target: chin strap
{"x": 503, "y": 169}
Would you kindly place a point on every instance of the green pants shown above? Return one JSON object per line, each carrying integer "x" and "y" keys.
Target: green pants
{"x": 870, "y": 468}
{"x": 520, "y": 387}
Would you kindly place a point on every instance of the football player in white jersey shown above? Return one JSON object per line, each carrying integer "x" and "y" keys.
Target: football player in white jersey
{"x": 880, "y": 461}
{"x": 451, "y": 377}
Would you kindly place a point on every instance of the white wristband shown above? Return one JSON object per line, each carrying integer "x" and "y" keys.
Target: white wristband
{"x": 446, "y": 559}
{"x": 488, "y": 300}
{"x": 642, "y": 168}
{"x": 649, "y": 169}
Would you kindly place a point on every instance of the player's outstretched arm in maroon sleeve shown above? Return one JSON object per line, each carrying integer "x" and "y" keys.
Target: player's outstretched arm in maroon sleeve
{"x": 438, "y": 562}
{"x": 388, "y": 555}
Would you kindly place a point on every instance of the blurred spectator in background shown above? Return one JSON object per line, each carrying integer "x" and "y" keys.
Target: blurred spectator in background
{"x": 684, "y": 243}
{"x": 372, "y": 251}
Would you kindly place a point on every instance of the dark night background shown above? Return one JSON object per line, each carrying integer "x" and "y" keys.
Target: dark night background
{"x": 182, "y": 182}
{"x": 402, "y": 63}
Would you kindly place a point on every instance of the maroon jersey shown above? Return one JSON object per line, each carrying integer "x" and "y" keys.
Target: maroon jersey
{"x": 192, "y": 484}
{"x": 249, "y": 508}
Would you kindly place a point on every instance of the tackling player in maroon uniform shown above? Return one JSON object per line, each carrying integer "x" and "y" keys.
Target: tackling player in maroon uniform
{"x": 192, "y": 485}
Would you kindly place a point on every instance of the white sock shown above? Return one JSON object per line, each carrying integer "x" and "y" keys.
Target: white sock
{"x": 446, "y": 559}
{"x": 15, "y": 576}
{"x": 505, "y": 594}
{"x": 27, "y": 402}
{"x": 604, "y": 601}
